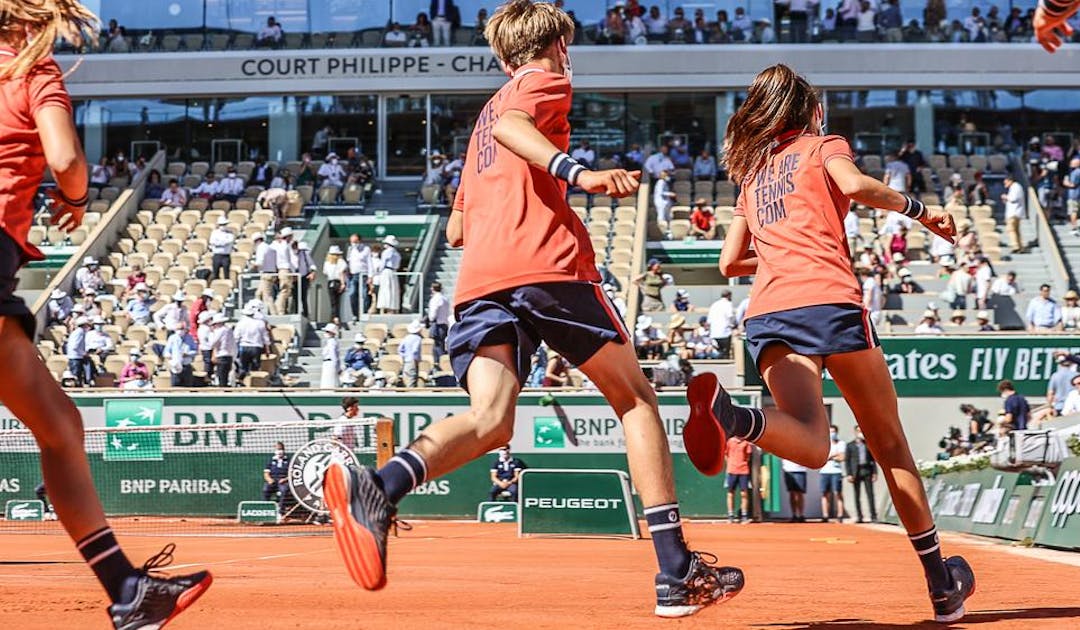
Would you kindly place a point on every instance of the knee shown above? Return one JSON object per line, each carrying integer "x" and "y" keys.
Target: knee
{"x": 816, "y": 457}
{"x": 635, "y": 396}
{"x": 493, "y": 428}
{"x": 64, "y": 432}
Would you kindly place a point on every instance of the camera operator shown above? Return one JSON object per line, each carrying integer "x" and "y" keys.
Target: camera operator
{"x": 952, "y": 444}
{"x": 979, "y": 424}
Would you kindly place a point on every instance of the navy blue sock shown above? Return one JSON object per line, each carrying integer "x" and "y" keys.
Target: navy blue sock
{"x": 749, "y": 423}
{"x": 402, "y": 473}
{"x": 107, "y": 560}
{"x": 665, "y": 527}
{"x": 928, "y": 547}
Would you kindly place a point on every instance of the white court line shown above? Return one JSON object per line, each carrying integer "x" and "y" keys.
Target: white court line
{"x": 173, "y": 567}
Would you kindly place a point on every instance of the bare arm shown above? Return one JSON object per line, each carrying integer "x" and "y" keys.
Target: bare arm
{"x": 66, "y": 160}
{"x": 455, "y": 229}
{"x": 517, "y": 131}
{"x": 870, "y": 192}
{"x": 736, "y": 259}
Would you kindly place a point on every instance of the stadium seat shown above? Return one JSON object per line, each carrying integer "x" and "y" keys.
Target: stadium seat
{"x": 957, "y": 162}
{"x": 199, "y": 168}
{"x": 978, "y": 162}
{"x": 627, "y": 202}
{"x": 600, "y": 214}
{"x": 243, "y": 41}
{"x": 599, "y": 229}
{"x": 998, "y": 163}
{"x": 680, "y": 212}
{"x": 601, "y": 201}
{"x": 175, "y": 169}
{"x": 294, "y": 40}
{"x": 306, "y": 193}
{"x": 578, "y": 200}
{"x": 680, "y": 228}
{"x": 704, "y": 189}
{"x": 328, "y": 195}
{"x": 625, "y": 214}
{"x": 170, "y": 43}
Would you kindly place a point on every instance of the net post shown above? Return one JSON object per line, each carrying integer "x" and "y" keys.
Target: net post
{"x": 384, "y": 438}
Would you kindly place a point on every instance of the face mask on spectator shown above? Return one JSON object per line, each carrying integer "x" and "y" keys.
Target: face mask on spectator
{"x": 232, "y": 175}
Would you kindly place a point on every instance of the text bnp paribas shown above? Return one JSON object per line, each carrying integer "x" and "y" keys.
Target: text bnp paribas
{"x": 316, "y": 67}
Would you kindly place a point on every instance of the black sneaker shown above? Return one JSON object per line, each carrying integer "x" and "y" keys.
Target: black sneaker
{"x": 705, "y": 584}
{"x": 709, "y": 424}
{"x": 949, "y": 606}
{"x": 158, "y": 599}
{"x": 361, "y": 515}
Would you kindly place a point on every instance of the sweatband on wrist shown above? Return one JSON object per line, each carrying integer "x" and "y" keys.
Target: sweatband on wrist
{"x": 565, "y": 168}
{"x": 914, "y": 209}
{"x": 75, "y": 203}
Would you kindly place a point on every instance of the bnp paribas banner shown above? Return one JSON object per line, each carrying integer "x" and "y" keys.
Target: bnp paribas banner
{"x": 944, "y": 366}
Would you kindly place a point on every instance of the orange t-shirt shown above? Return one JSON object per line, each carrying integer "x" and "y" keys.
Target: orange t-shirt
{"x": 738, "y": 456}
{"x": 796, "y": 215}
{"x": 518, "y": 228}
{"x": 22, "y": 160}
{"x": 702, "y": 220}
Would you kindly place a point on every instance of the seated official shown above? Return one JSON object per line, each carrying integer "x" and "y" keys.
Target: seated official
{"x": 276, "y": 476}
{"x": 505, "y": 471}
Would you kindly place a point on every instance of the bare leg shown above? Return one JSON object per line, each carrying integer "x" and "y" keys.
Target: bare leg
{"x": 863, "y": 379}
{"x": 825, "y": 504}
{"x": 745, "y": 503}
{"x": 32, "y": 394}
{"x": 493, "y": 391}
{"x": 731, "y": 503}
{"x": 797, "y": 429}
{"x": 617, "y": 373}
{"x": 840, "y": 504}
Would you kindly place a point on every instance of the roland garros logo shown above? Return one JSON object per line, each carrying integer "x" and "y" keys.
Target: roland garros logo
{"x": 308, "y": 467}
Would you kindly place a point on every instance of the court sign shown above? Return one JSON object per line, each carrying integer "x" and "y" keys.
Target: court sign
{"x": 257, "y": 512}
{"x": 1060, "y": 524}
{"x": 32, "y": 510}
{"x": 581, "y": 502}
{"x": 497, "y": 512}
{"x": 135, "y": 414}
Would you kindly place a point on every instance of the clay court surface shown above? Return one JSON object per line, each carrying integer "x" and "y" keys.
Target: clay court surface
{"x": 459, "y": 575}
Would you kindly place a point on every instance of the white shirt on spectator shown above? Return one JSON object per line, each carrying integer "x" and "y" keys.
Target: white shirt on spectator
{"x": 1014, "y": 201}
{"x": 658, "y": 162}
{"x": 983, "y": 277}
{"x": 334, "y": 270}
{"x": 207, "y": 187}
{"x": 898, "y": 173}
{"x": 893, "y": 222}
{"x": 1001, "y": 286}
{"x": 167, "y": 316}
{"x": 334, "y": 174}
{"x": 285, "y": 257}
{"x": 851, "y": 225}
{"x": 926, "y": 328}
{"x": 941, "y": 247}
{"x": 832, "y": 466}
{"x": 251, "y": 332}
{"x": 223, "y": 342}
{"x": 221, "y": 241}
{"x": 204, "y": 335}
{"x": 662, "y": 200}
{"x": 585, "y": 156}
{"x": 359, "y": 257}
{"x": 438, "y": 310}
{"x": 176, "y": 198}
{"x": 98, "y": 341}
{"x": 657, "y": 26}
{"x": 1072, "y": 403}
{"x": 873, "y": 297}
{"x": 721, "y": 319}
{"x": 270, "y": 32}
{"x": 231, "y": 185}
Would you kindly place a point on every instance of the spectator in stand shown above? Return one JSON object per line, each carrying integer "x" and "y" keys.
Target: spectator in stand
{"x": 795, "y": 483}
{"x": 848, "y": 19}
{"x": 223, "y": 348}
{"x": 283, "y": 180}
{"x": 208, "y": 188}
{"x": 585, "y": 155}
{"x": 395, "y": 37}
{"x": 664, "y": 200}
{"x": 1051, "y": 150}
{"x": 420, "y": 32}
{"x": 101, "y": 173}
{"x": 1005, "y": 285}
{"x": 557, "y": 372}
{"x": 873, "y": 294}
{"x": 677, "y": 337}
{"x": 359, "y": 364}
{"x": 907, "y": 284}
{"x": 59, "y": 307}
{"x": 1013, "y": 198}
{"x": 705, "y": 166}
{"x": 957, "y": 318}
{"x": 828, "y": 26}
{"x": 222, "y": 241}
{"x": 444, "y": 18}
{"x": 659, "y": 162}
{"x": 636, "y": 31}
{"x": 909, "y": 154}
{"x": 199, "y": 306}
{"x": 722, "y": 323}
{"x": 984, "y": 276}
{"x": 409, "y": 351}
{"x": 1043, "y": 312}
{"x": 738, "y": 455}
{"x": 331, "y": 358}
{"x": 505, "y": 473}
{"x": 1070, "y": 313}
{"x": 702, "y": 220}
{"x": 764, "y": 32}
{"x": 88, "y": 277}
{"x": 613, "y": 30}
{"x": 651, "y": 282}
{"x": 438, "y": 319}
{"x": 269, "y": 36}
{"x": 891, "y": 22}
{"x": 1058, "y": 387}
{"x": 678, "y": 28}
{"x": 933, "y": 16}
{"x": 700, "y": 344}
{"x": 647, "y": 339}
{"x": 861, "y": 473}
{"x": 799, "y": 19}
{"x": 702, "y": 31}
{"x": 1015, "y": 26}
{"x": 982, "y": 322}
{"x": 305, "y": 272}
{"x": 975, "y": 26}
{"x": 959, "y": 286}
{"x": 172, "y": 312}
{"x": 897, "y": 173}
{"x": 866, "y": 23}
{"x": 203, "y": 333}
{"x": 262, "y": 174}
{"x": 138, "y": 307}
{"x": 79, "y": 362}
{"x": 741, "y": 26}
{"x": 481, "y": 23}
{"x": 978, "y": 194}
{"x": 231, "y": 188}
{"x": 1017, "y": 410}
{"x": 929, "y": 324}
{"x": 252, "y": 339}
{"x": 99, "y": 345}
{"x": 831, "y": 475}
{"x": 135, "y": 374}
{"x": 634, "y": 157}
{"x": 331, "y": 173}
{"x": 336, "y": 271}
{"x": 180, "y": 349}
{"x": 154, "y": 187}
{"x": 720, "y": 32}
{"x": 680, "y": 154}
{"x": 389, "y": 297}
{"x": 1071, "y": 182}
{"x": 655, "y": 23}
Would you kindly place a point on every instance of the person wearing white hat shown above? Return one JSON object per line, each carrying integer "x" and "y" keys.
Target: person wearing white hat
{"x": 174, "y": 311}
{"x": 203, "y": 333}
{"x": 982, "y": 320}
{"x": 98, "y": 343}
{"x": 681, "y": 303}
{"x": 139, "y": 305}
{"x": 222, "y": 242}
{"x": 305, "y": 271}
{"x": 331, "y": 358}
{"x": 75, "y": 349}
{"x": 389, "y": 298}
{"x": 337, "y": 275}
{"x": 285, "y": 262}
{"x": 409, "y": 351}
{"x": 89, "y": 277}
{"x": 223, "y": 348}
{"x": 929, "y": 324}
{"x": 59, "y": 307}
{"x": 180, "y": 350}
{"x": 331, "y": 175}
{"x": 252, "y": 340}
{"x": 650, "y": 344}
{"x": 136, "y": 374}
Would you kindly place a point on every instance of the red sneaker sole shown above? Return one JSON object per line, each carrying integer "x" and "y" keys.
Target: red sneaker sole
{"x": 188, "y": 597}
{"x": 357, "y": 545}
{"x": 703, "y": 436}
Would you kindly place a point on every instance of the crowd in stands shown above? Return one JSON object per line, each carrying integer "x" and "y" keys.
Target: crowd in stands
{"x": 631, "y": 22}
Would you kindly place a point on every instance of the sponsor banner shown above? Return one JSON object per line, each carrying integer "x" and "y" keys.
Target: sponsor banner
{"x": 565, "y": 501}
{"x": 1023, "y": 511}
{"x": 1059, "y": 525}
{"x": 136, "y": 413}
{"x": 964, "y": 366}
{"x": 308, "y": 467}
{"x": 32, "y": 510}
{"x": 257, "y": 512}
{"x": 497, "y": 512}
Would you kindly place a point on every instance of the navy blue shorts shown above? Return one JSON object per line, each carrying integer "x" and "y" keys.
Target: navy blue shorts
{"x": 738, "y": 481}
{"x": 576, "y": 319}
{"x": 813, "y": 331}
{"x": 12, "y": 259}
{"x": 795, "y": 481}
{"x": 830, "y": 482}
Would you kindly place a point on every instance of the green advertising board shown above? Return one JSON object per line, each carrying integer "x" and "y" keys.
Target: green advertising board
{"x": 576, "y": 502}
{"x": 497, "y": 512}
{"x": 950, "y": 367}
{"x": 135, "y": 414}
{"x": 32, "y": 510}
{"x": 257, "y": 512}
{"x": 1060, "y": 522}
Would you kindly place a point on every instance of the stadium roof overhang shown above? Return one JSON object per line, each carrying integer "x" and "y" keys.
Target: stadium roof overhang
{"x": 623, "y": 68}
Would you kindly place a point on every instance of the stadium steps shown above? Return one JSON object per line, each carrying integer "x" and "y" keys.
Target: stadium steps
{"x": 444, "y": 268}
{"x": 1070, "y": 251}
{"x": 396, "y": 197}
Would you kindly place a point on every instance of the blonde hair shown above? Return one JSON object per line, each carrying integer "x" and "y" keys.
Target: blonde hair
{"x": 47, "y": 21}
{"x": 777, "y": 101}
{"x": 521, "y": 30}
